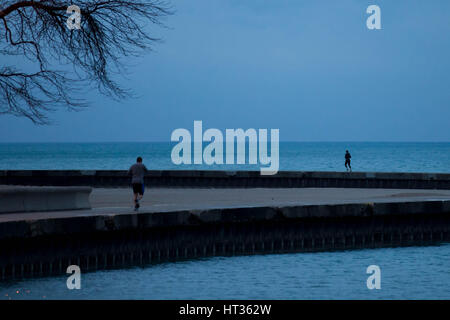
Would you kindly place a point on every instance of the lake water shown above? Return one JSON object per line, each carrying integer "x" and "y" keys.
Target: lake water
{"x": 406, "y": 273}
{"x": 302, "y": 156}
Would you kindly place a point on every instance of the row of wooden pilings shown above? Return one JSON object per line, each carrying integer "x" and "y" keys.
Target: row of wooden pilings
{"x": 21, "y": 258}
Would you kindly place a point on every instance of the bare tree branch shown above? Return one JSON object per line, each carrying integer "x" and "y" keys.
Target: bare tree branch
{"x": 37, "y": 31}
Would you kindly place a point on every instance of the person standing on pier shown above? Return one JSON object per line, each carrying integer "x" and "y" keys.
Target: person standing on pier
{"x": 137, "y": 172}
{"x": 347, "y": 161}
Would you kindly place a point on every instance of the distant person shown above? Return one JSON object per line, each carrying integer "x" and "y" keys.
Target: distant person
{"x": 347, "y": 161}
{"x": 137, "y": 172}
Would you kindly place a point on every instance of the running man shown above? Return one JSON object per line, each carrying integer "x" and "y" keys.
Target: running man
{"x": 347, "y": 160}
{"x": 137, "y": 172}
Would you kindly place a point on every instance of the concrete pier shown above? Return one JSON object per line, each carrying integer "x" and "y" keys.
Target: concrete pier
{"x": 175, "y": 224}
{"x": 228, "y": 179}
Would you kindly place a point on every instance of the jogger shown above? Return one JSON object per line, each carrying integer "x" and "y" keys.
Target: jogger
{"x": 347, "y": 160}
{"x": 137, "y": 172}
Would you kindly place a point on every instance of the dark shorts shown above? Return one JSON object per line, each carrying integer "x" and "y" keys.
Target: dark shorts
{"x": 347, "y": 162}
{"x": 138, "y": 188}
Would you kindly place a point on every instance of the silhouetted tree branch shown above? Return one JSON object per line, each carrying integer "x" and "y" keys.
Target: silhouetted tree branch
{"x": 37, "y": 32}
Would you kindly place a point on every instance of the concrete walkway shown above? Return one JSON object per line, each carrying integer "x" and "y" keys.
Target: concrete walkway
{"x": 119, "y": 201}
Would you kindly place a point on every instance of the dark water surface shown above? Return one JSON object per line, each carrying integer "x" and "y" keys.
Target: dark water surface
{"x": 406, "y": 273}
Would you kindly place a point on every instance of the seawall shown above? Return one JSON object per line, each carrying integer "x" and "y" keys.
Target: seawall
{"x": 108, "y": 239}
{"x": 39, "y": 244}
{"x": 228, "y": 179}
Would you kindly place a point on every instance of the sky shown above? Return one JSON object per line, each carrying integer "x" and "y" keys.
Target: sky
{"x": 311, "y": 69}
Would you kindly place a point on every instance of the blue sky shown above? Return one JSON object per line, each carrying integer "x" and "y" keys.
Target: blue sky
{"x": 309, "y": 68}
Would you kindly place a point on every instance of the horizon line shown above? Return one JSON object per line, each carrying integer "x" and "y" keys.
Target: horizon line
{"x": 283, "y": 141}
